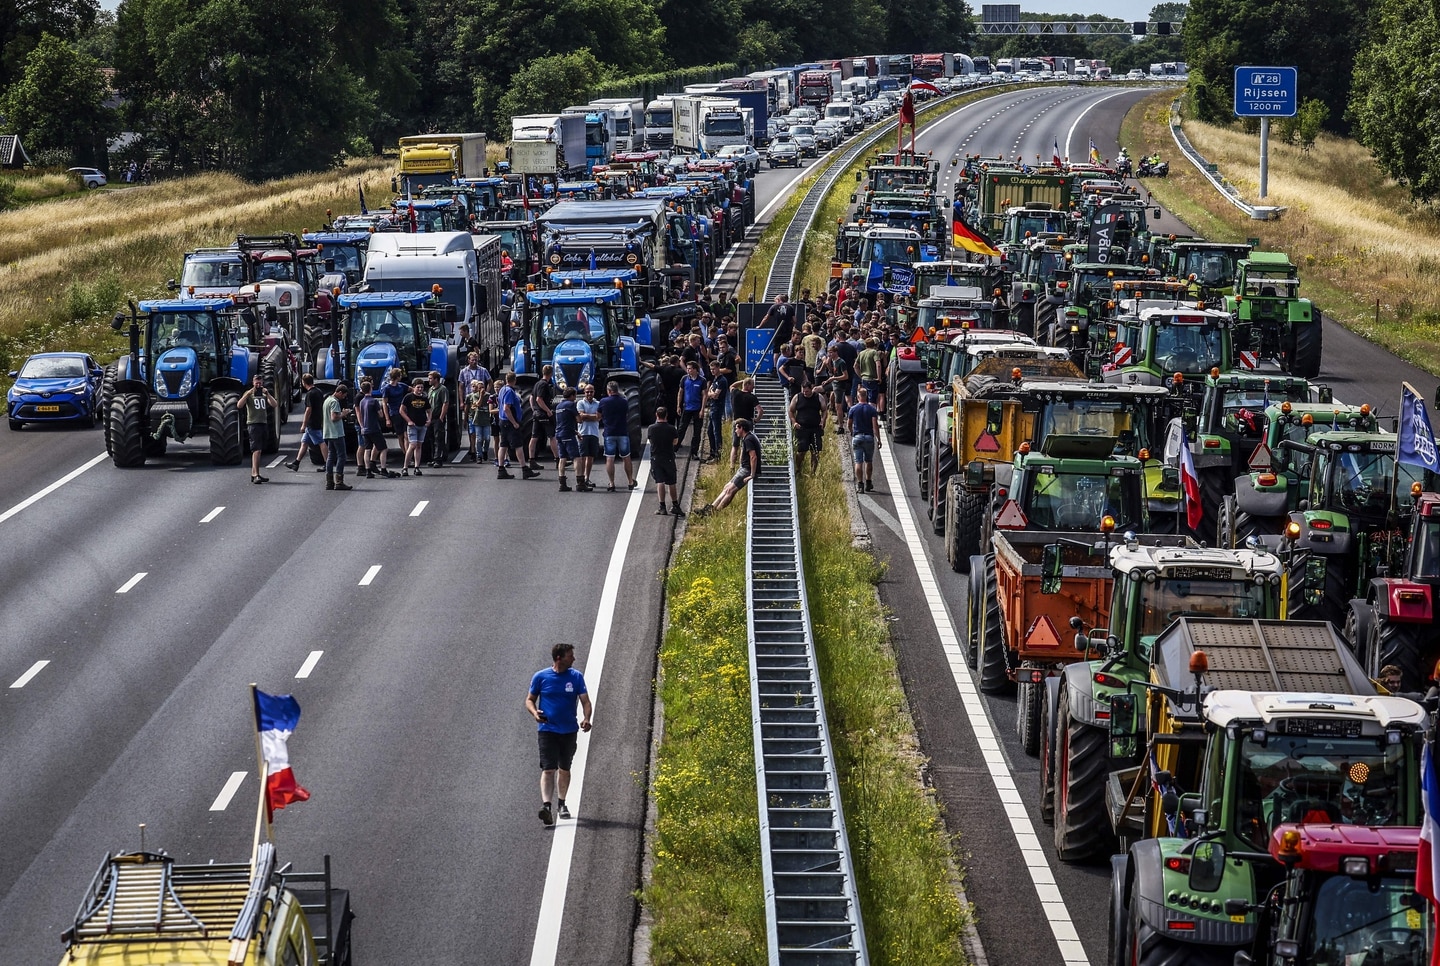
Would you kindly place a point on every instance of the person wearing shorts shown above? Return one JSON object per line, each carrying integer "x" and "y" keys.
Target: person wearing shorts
{"x": 615, "y": 422}
{"x": 394, "y": 392}
{"x": 567, "y": 436}
{"x": 513, "y": 437}
{"x": 749, "y": 469}
{"x": 589, "y": 433}
{"x": 415, "y": 409}
{"x": 256, "y": 404}
{"x": 310, "y": 434}
{"x": 663, "y": 439}
{"x": 542, "y": 417}
{"x": 864, "y": 422}
{"x": 808, "y": 412}
{"x": 554, "y": 693}
{"x": 372, "y": 434}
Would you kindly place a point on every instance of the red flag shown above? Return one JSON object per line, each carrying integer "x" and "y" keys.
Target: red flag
{"x": 1191, "y": 482}
{"x": 1055, "y": 158}
{"x": 907, "y": 110}
{"x": 963, "y": 236}
{"x": 920, "y": 85}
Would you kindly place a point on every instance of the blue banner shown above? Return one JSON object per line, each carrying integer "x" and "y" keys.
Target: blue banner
{"x": 1417, "y": 438}
{"x": 901, "y": 278}
{"x": 760, "y": 351}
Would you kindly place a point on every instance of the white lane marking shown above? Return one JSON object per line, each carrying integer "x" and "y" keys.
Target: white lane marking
{"x": 129, "y": 584}
{"x": 212, "y": 514}
{"x": 232, "y": 785}
{"x": 1070, "y": 134}
{"x": 419, "y": 508}
{"x": 878, "y": 512}
{"x": 35, "y": 498}
{"x": 369, "y": 575}
{"x": 562, "y": 845}
{"x": 1062, "y": 926}
{"x": 275, "y": 462}
{"x": 460, "y": 456}
{"x": 309, "y": 664}
{"x": 24, "y": 679}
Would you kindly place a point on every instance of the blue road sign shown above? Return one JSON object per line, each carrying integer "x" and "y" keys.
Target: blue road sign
{"x": 1265, "y": 92}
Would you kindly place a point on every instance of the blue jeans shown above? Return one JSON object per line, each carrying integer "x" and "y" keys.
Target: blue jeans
{"x": 713, "y": 419}
{"x": 335, "y": 456}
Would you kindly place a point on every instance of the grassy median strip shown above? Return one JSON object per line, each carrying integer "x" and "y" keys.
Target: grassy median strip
{"x": 1367, "y": 257}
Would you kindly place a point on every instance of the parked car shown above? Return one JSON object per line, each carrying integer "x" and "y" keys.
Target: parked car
{"x": 55, "y": 387}
{"x": 744, "y": 156}
{"x": 784, "y": 152}
{"x": 89, "y": 177}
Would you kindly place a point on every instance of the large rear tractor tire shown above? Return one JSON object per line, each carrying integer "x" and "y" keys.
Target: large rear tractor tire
{"x": 1410, "y": 647}
{"x": 1045, "y": 314}
{"x": 900, "y": 406}
{"x": 969, "y": 524}
{"x": 942, "y": 467}
{"x": 102, "y": 407}
{"x": 975, "y": 614}
{"x": 126, "y": 430}
{"x": 1307, "y": 337}
{"x": 1082, "y": 826}
{"x": 1047, "y": 760}
{"x": 993, "y": 679}
{"x": 633, "y": 418}
{"x": 277, "y": 421}
{"x": 1212, "y": 495}
{"x": 649, "y": 395}
{"x": 1027, "y": 716}
{"x": 225, "y": 429}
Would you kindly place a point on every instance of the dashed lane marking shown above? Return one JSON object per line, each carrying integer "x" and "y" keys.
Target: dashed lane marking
{"x": 275, "y": 462}
{"x": 232, "y": 785}
{"x": 419, "y": 508}
{"x": 1062, "y": 926}
{"x": 126, "y": 587}
{"x": 366, "y": 580}
{"x": 212, "y": 514}
{"x": 309, "y": 664}
{"x": 37, "y": 497}
{"x": 24, "y": 679}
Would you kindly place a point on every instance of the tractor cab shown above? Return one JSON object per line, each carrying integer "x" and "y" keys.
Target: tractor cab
{"x": 886, "y": 255}
{"x": 381, "y": 331}
{"x": 341, "y": 255}
{"x": 631, "y": 319}
{"x": 1163, "y": 342}
{"x": 1209, "y": 267}
{"x": 210, "y": 273}
{"x": 187, "y": 342}
{"x": 1075, "y": 483}
{"x": 430, "y": 214}
{"x": 959, "y": 307}
{"x": 580, "y": 331}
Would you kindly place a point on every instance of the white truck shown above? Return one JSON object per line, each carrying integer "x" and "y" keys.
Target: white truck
{"x": 629, "y": 117}
{"x": 844, "y": 112}
{"x": 465, "y": 266}
{"x": 707, "y": 124}
{"x": 548, "y": 144}
{"x": 660, "y": 124}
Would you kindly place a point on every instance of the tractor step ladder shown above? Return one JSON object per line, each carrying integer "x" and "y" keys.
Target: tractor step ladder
{"x": 812, "y": 909}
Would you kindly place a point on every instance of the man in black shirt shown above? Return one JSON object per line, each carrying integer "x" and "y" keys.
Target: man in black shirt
{"x": 663, "y": 439}
{"x": 807, "y": 415}
{"x": 749, "y": 469}
{"x": 542, "y": 412}
{"x": 745, "y": 405}
{"x": 670, "y": 372}
{"x": 311, "y": 425}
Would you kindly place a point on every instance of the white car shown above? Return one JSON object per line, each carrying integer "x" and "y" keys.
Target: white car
{"x": 743, "y": 155}
{"x": 90, "y": 177}
{"x": 1136, "y": 74}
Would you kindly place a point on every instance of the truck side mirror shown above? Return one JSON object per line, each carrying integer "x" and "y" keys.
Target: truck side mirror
{"x": 1207, "y": 866}
{"x": 1051, "y": 568}
{"x": 1122, "y": 725}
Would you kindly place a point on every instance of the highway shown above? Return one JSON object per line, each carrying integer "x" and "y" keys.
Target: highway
{"x": 413, "y": 741}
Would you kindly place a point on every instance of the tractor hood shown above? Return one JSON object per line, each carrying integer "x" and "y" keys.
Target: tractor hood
{"x": 175, "y": 372}
{"x": 574, "y": 363}
{"x": 375, "y": 361}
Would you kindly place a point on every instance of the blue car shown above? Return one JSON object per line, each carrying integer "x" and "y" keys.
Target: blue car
{"x": 55, "y": 387}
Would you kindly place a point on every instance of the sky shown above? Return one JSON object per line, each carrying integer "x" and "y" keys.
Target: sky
{"x": 1123, "y": 9}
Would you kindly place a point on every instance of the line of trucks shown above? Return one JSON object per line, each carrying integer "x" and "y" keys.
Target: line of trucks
{"x": 1207, "y": 718}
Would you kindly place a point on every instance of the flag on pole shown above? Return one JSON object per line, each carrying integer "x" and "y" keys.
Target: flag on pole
{"x": 1055, "y": 158}
{"x": 1427, "y": 872}
{"x": 963, "y": 236}
{"x": 276, "y": 717}
{"x": 592, "y": 260}
{"x": 1191, "y": 483}
{"x": 920, "y": 85}
{"x": 1094, "y": 152}
{"x": 363, "y": 210}
{"x": 1417, "y": 437}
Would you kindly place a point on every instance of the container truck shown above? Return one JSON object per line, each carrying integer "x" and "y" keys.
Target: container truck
{"x": 660, "y": 124}
{"x": 599, "y": 134}
{"x": 709, "y": 123}
{"x": 816, "y": 88}
{"x": 427, "y": 159}
{"x": 548, "y": 144}
{"x": 629, "y": 116}
{"x": 757, "y": 99}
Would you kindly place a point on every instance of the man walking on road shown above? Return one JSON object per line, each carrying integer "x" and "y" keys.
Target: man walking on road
{"x": 311, "y": 425}
{"x": 864, "y": 439}
{"x": 554, "y": 693}
{"x": 663, "y": 439}
{"x": 512, "y": 432}
{"x": 336, "y": 410}
{"x": 256, "y": 404}
{"x": 615, "y": 422}
{"x": 567, "y": 438}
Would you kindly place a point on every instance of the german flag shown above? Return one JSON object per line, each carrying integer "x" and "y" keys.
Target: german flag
{"x": 963, "y": 236}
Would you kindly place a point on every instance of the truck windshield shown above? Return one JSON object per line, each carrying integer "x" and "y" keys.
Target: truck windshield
{"x": 1327, "y": 780}
{"x": 658, "y": 117}
{"x": 1077, "y": 501}
{"x": 725, "y": 126}
{"x": 1187, "y": 348}
{"x": 594, "y": 135}
{"x": 209, "y": 273}
{"x": 1360, "y": 921}
{"x": 1168, "y": 598}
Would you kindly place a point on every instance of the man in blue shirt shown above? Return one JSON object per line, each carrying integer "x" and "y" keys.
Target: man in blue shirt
{"x": 615, "y": 422}
{"x": 690, "y": 403}
{"x": 554, "y": 692}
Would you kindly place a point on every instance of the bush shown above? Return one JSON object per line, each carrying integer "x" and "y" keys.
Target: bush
{"x": 7, "y": 193}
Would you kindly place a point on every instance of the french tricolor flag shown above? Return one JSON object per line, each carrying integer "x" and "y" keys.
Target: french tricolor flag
{"x": 276, "y": 717}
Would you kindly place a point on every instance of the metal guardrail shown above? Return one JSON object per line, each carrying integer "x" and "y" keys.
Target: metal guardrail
{"x": 1212, "y": 174}
{"x": 812, "y": 909}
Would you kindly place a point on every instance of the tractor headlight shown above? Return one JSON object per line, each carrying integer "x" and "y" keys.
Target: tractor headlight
{"x": 160, "y": 389}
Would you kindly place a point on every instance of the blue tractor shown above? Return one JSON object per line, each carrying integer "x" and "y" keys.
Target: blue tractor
{"x": 584, "y": 333}
{"x": 190, "y": 360}
{"x": 372, "y": 333}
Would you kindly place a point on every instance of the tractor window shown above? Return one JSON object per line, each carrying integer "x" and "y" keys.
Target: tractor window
{"x": 345, "y": 257}
{"x": 383, "y": 325}
{"x": 210, "y": 274}
{"x": 1167, "y": 599}
{"x": 1036, "y": 223}
{"x": 1212, "y": 269}
{"x": 1360, "y": 921}
{"x": 1298, "y": 460}
{"x": 1361, "y": 481}
{"x": 1427, "y": 548}
{"x": 193, "y": 330}
{"x": 1271, "y": 288}
{"x": 277, "y": 270}
{"x": 891, "y": 251}
{"x": 1088, "y": 417}
{"x": 1187, "y": 348}
{"x": 1329, "y": 780}
{"x": 1076, "y": 501}
{"x": 559, "y": 323}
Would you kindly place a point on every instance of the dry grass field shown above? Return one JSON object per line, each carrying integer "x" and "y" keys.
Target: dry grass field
{"x": 1367, "y": 256}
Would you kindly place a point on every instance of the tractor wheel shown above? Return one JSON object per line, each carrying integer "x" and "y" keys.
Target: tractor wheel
{"x": 127, "y": 429}
{"x": 900, "y": 405}
{"x": 225, "y": 429}
{"x": 1409, "y": 647}
{"x": 969, "y": 524}
{"x": 1149, "y": 948}
{"x": 974, "y": 600}
{"x": 993, "y": 679}
{"x": 1023, "y": 315}
{"x": 649, "y": 394}
{"x": 631, "y": 391}
{"x": 1227, "y": 535}
{"x": 1047, "y": 760}
{"x": 951, "y": 519}
{"x": 922, "y": 465}
{"x": 942, "y": 467}
{"x": 1027, "y": 716}
{"x": 1306, "y": 338}
{"x": 1212, "y": 494}
{"x": 1082, "y": 826}
{"x": 102, "y": 400}
{"x": 1359, "y": 625}
{"x": 1045, "y": 314}
{"x": 272, "y": 383}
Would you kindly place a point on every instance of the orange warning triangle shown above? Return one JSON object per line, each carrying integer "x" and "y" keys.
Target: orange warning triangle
{"x": 918, "y": 336}
{"x": 1011, "y": 517}
{"x": 986, "y": 442}
{"x": 1260, "y": 460}
{"x": 1042, "y": 633}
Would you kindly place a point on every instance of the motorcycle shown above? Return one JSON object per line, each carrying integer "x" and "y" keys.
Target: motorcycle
{"x": 1124, "y": 166}
{"x": 1153, "y": 167}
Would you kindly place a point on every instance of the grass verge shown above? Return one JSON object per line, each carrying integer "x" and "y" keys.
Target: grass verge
{"x": 1367, "y": 257}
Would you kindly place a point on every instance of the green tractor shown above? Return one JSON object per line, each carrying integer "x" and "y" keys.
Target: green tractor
{"x": 1077, "y": 296}
{"x": 1208, "y": 267}
{"x": 1283, "y": 325}
{"x": 1279, "y": 730}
